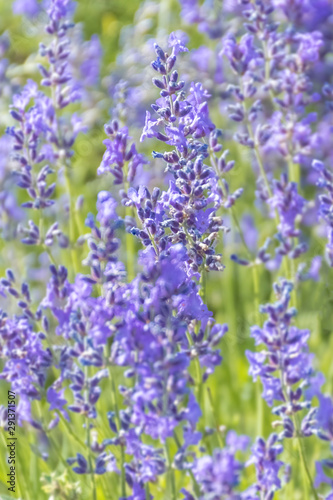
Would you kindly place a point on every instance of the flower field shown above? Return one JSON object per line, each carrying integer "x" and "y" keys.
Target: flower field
{"x": 166, "y": 237}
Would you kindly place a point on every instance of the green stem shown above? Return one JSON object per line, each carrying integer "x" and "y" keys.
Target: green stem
{"x": 91, "y": 469}
{"x": 294, "y": 176}
{"x": 256, "y": 151}
{"x": 197, "y": 370}
{"x": 267, "y": 73}
{"x": 196, "y": 486}
{"x": 202, "y": 291}
{"x": 41, "y": 238}
{"x": 260, "y": 163}
{"x": 130, "y": 250}
{"x": 259, "y": 400}
{"x": 170, "y": 472}
{"x": 71, "y": 219}
{"x": 306, "y": 473}
{"x": 48, "y": 251}
{"x": 210, "y": 398}
{"x": 67, "y": 182}
{"x": 55, "y": 446}
{"x": 122, "y": 452}
{"x": 129, "y": 240}
{"x": 294, "y": 301}
{"x": 78, "y": 221}
{"x": 123, "y": 477}
{"x": 152, "y": 239}
{"x": 294, "y": 173}
{"x": 236, "y": 222}
{"x": 69, "y": 430}
{"x": 41, "y": 226}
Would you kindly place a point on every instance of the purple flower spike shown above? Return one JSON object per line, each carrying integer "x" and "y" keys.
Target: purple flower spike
{"x": 264, "y": 457}
{"x": 285, "y": 365}
{"x": 325, "y": 181}
{"x": 219, "y": 476}
{"x": 120, "y": 156}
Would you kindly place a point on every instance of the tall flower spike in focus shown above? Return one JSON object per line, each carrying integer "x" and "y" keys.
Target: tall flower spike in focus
{"x": 285, "y": 369}
{"x": 189, "y": 206}
{"x": 285, "y": 365}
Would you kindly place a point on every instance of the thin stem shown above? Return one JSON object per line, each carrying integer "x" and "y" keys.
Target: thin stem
{"x": 298, "y": 436}
{"x": 294, "y": 301}
{"x": 71, "y": 219}
{"x": 259, "y": 400}
{"x": 199, "y": 382}
{"x": 53, "y": 442}
{"x": 151, "y": 237}
{"x": 129, "y": 241}
{"x": 294, "y": 173}
{"x": 116, "y": 410}
{"x": 202, "y": 291}
{"x": 293, "y": 168}
{"x": 69, "y": 430}
{"x": 48, "y": 251}
{"x": 41, "y": 225}
{"x": 303, "y": 459}
{"x": 256, "y": 149}
{"x": 130, "y": 250}
{"x": 233, "y": 213}
{"x": 41, "y": 238}
{"x": 263, "y": 173}
{"x": 267, "y": 73}
{"x": 81, "y": 443}
{"x": 260, "y": 163}
{"x": 78, "y": 221}
{"x": 237, "y": 224}
{"x": 210, "y": 398}
{"x": 196, "y": 486}
{"x": 58, "y": 453}
{"x": 86, "y": 369}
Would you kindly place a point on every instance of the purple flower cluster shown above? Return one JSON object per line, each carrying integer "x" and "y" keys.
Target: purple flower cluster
{"x": 284, "y": 366}
{"x": 186, "y": 213}
{"x": 325, "y": 181}
{"x": 120, "y": 159}
{"x": 219, "y": 475}
{"x": 264, "y": 457}
{"x": 22, "y": 335}
{"x": 289, "y": 206}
